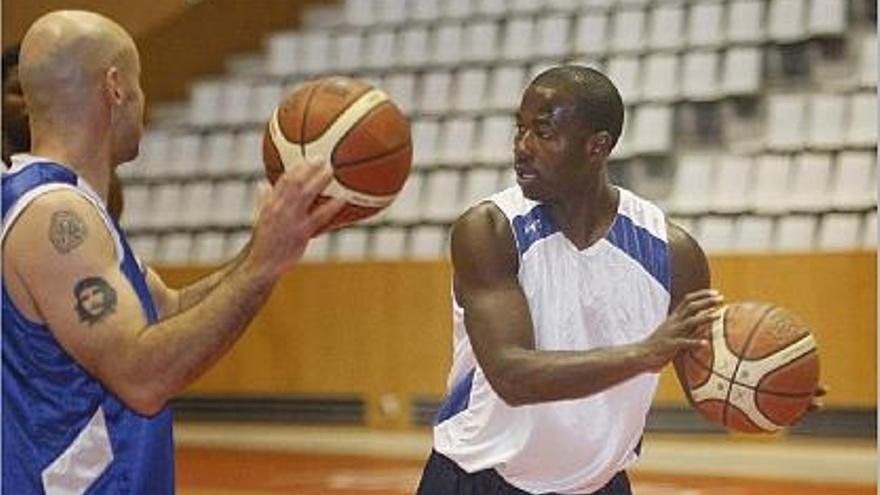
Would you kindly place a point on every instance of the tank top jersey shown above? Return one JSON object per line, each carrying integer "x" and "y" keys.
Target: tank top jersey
{"x": 614, "y": 292}
{"x": 63, "y": 432}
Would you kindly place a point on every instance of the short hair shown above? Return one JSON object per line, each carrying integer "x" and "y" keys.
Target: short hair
{"x": 596, "y": 98}
{"x": 10, "y": 59}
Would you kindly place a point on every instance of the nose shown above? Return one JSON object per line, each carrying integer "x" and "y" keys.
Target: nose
{"x": 522, "y": 142}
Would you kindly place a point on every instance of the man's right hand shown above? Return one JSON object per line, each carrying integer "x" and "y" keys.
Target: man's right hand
{"x": 685, "y": 328}
{"x": 285, "y": 223}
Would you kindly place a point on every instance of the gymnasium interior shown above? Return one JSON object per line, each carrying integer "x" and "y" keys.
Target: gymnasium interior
{"x": 752, "y": 123}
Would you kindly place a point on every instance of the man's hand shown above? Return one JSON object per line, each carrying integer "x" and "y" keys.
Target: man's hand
{"x": 685, "y": 328}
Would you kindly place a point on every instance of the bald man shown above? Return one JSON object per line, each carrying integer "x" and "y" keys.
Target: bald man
{"x": 93, "y": 345}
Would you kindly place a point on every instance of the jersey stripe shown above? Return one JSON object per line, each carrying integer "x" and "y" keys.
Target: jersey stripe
{"x": 643, "y": 247}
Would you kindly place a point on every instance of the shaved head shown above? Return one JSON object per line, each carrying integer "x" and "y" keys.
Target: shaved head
{"x": 78, "y": 67}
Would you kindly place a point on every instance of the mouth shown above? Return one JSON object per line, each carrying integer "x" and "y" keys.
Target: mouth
{"x": 524, "y": 172}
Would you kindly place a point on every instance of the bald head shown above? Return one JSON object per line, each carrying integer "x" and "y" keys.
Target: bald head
{"x": 80, "y": 74}
{"x": 66, "y": 53}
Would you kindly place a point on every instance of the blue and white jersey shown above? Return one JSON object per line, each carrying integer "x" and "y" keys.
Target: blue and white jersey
{"x": 614, "y": 292}
{"x": 63, "y": 432}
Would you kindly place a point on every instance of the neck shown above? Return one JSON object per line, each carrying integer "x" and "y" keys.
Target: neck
{"x": 587, "y": 216}
{"x": 75, "y": 148}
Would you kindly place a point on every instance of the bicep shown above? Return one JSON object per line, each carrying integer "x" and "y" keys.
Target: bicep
{"x": 71, "y": 271}
{"x": 496, "y": 311}
{"x": 690, "y": 268}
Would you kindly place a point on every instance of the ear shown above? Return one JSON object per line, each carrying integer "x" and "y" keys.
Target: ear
{"x": 600, "y": 144}
{"x": 113, "y": 86}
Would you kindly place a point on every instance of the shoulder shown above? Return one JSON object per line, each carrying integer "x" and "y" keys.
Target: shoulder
{"x": 690, "y": 268}
{"x": 482, "y": 242}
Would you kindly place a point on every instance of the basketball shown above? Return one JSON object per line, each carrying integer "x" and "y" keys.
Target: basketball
{"x": 760, "y": 372}
{"x": 357, "y": 128}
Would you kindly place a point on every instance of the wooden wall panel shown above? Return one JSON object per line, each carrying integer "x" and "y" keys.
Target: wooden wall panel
{"x": 383, "y": 330}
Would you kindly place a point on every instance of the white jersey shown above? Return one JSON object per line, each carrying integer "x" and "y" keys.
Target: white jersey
{"x": 614, "y": 292}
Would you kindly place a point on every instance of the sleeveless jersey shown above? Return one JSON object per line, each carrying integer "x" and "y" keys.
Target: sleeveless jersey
{"x": 63, "y": 432}
{"x": 614, "y": 292}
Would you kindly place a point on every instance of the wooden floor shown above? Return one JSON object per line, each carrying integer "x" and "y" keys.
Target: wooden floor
{"x": 220, "y": 471}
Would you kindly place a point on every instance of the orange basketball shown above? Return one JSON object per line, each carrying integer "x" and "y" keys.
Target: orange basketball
{"x": 357, "y": 127}
{"x": 760, "y": 372}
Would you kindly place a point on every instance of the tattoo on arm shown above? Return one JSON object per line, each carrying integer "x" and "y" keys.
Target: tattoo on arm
{"x": 95, "y": 299}
{"x": 66, "y": 231}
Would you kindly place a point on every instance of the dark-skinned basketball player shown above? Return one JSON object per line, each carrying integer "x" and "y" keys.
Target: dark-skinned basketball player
{"x": 570, "y": 295}
{"x": 94, "y": 346}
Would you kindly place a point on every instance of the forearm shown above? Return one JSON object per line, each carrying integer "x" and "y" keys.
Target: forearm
{"x": 529, "y": 376}
{"x": 196, "y": 291}
{"x": 164, "y": 358}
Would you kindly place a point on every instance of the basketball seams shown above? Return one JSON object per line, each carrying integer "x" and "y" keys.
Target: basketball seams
{"x": 766, "y": 375}
{"x": 346, "y": 120}
{"x": 305, "y": 116}
{"x": 748, "y": 341}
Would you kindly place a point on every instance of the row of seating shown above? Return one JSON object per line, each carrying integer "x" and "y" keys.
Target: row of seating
{"x": 716, "y": 234}
{"x": 477, "y": 33}
{"x": 702, "y": 184}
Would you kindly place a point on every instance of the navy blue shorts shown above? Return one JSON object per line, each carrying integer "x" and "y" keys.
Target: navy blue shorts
{"x": 443, "y": 477}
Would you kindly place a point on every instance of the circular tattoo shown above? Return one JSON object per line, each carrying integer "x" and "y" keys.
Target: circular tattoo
{"x": 66, "y": 231}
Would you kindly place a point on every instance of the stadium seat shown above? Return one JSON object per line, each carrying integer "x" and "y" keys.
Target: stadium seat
{"x": 351, "y": 244}
{"x": 457, "y": 141}
{"x": 436, "y": 91}
{"x": 282, "y": 58}
{"x": 752, "y": 234}
{"x": 786, "y": 21}
{"x": 175, "y": 249}
{"x": 361, "y": 13}
{"x": 492, "y": 8}
{"x": 380, "y": 49}
{"x": 785, "y": 122}
{"x": 772, "y": 178}
{"x": 733, "y": 180}
{"x": 235, "y": 242}
{"x": 184, "y": 155}
{"x": 811, "y": 176}
{"x": 705, "y": 28}
{"x": 591, "y": 34}
{"x": 427, "y": 242}
{"x": 666, "y": 27}
{"x": 479, "y": 183}
{"x": 315, "y": 52}
{"x": 742, "y": 74}
{"x": 552, "y": 36}
{"x": 745, "y": 21}
{"x": 138, "y": 206}
{"x": 496, "y": 139}
{"x": 440, "y": 202}
{"x": 518, "y": 38}
{"x": 231, "y": 207}
{"x": 795, "y": 233}
{"x": 209, "y": 248}
{"x": 868, "y": 59}
{"x": 391, "y": 11}
{"x": 624, "y": 73}
{"x": 699, "y": 78}
{"x": 507, "y": 85}
{"x": 401, "y": 87}
{"x": 346, "y": 54}
{"x": 660, "y": 79}
{"x": 388, "y": 243}
{"x": 652, "y": 130}
{"x": 869, "y": 232}
{"x": 236, "y": 102}
{"x": 628, "y": 30}
{"x": 862, "y": 125}
{"x": 407, "y": 206}
{"x": 424, "y": 10}
{"x": 196, "y": 199}
{"x": 826, "y": 121}
{"x": 145, "y": 247}
{"x": 470, "y": 89}
{"x": 426, "y": 142}
{"x": 248, "y": 152}
{"x": 693, "y": 183}
{"x": 458, "y": 9}
{"x": 716, "y": 234}
{"x": 413, "y": 49}
{"x": 481, "y": 41}
{"x": 827, "y": 18}
{"x": 205, "y": 102}
{"x": 854, "y": 184}
{"x": 446, "y": 45}
{"x": 840, "y": 232}
{"x": 263, "y": 101}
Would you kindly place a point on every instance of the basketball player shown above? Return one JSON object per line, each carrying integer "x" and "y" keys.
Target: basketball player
{"x": 93, "y": 348}
{"x": 570, "y": 295}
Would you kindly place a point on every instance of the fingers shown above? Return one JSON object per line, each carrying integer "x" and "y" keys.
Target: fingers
{"x": 321, "y": 215}
{"x": 702, "y": 318}
{"x": 299, "y": 186}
